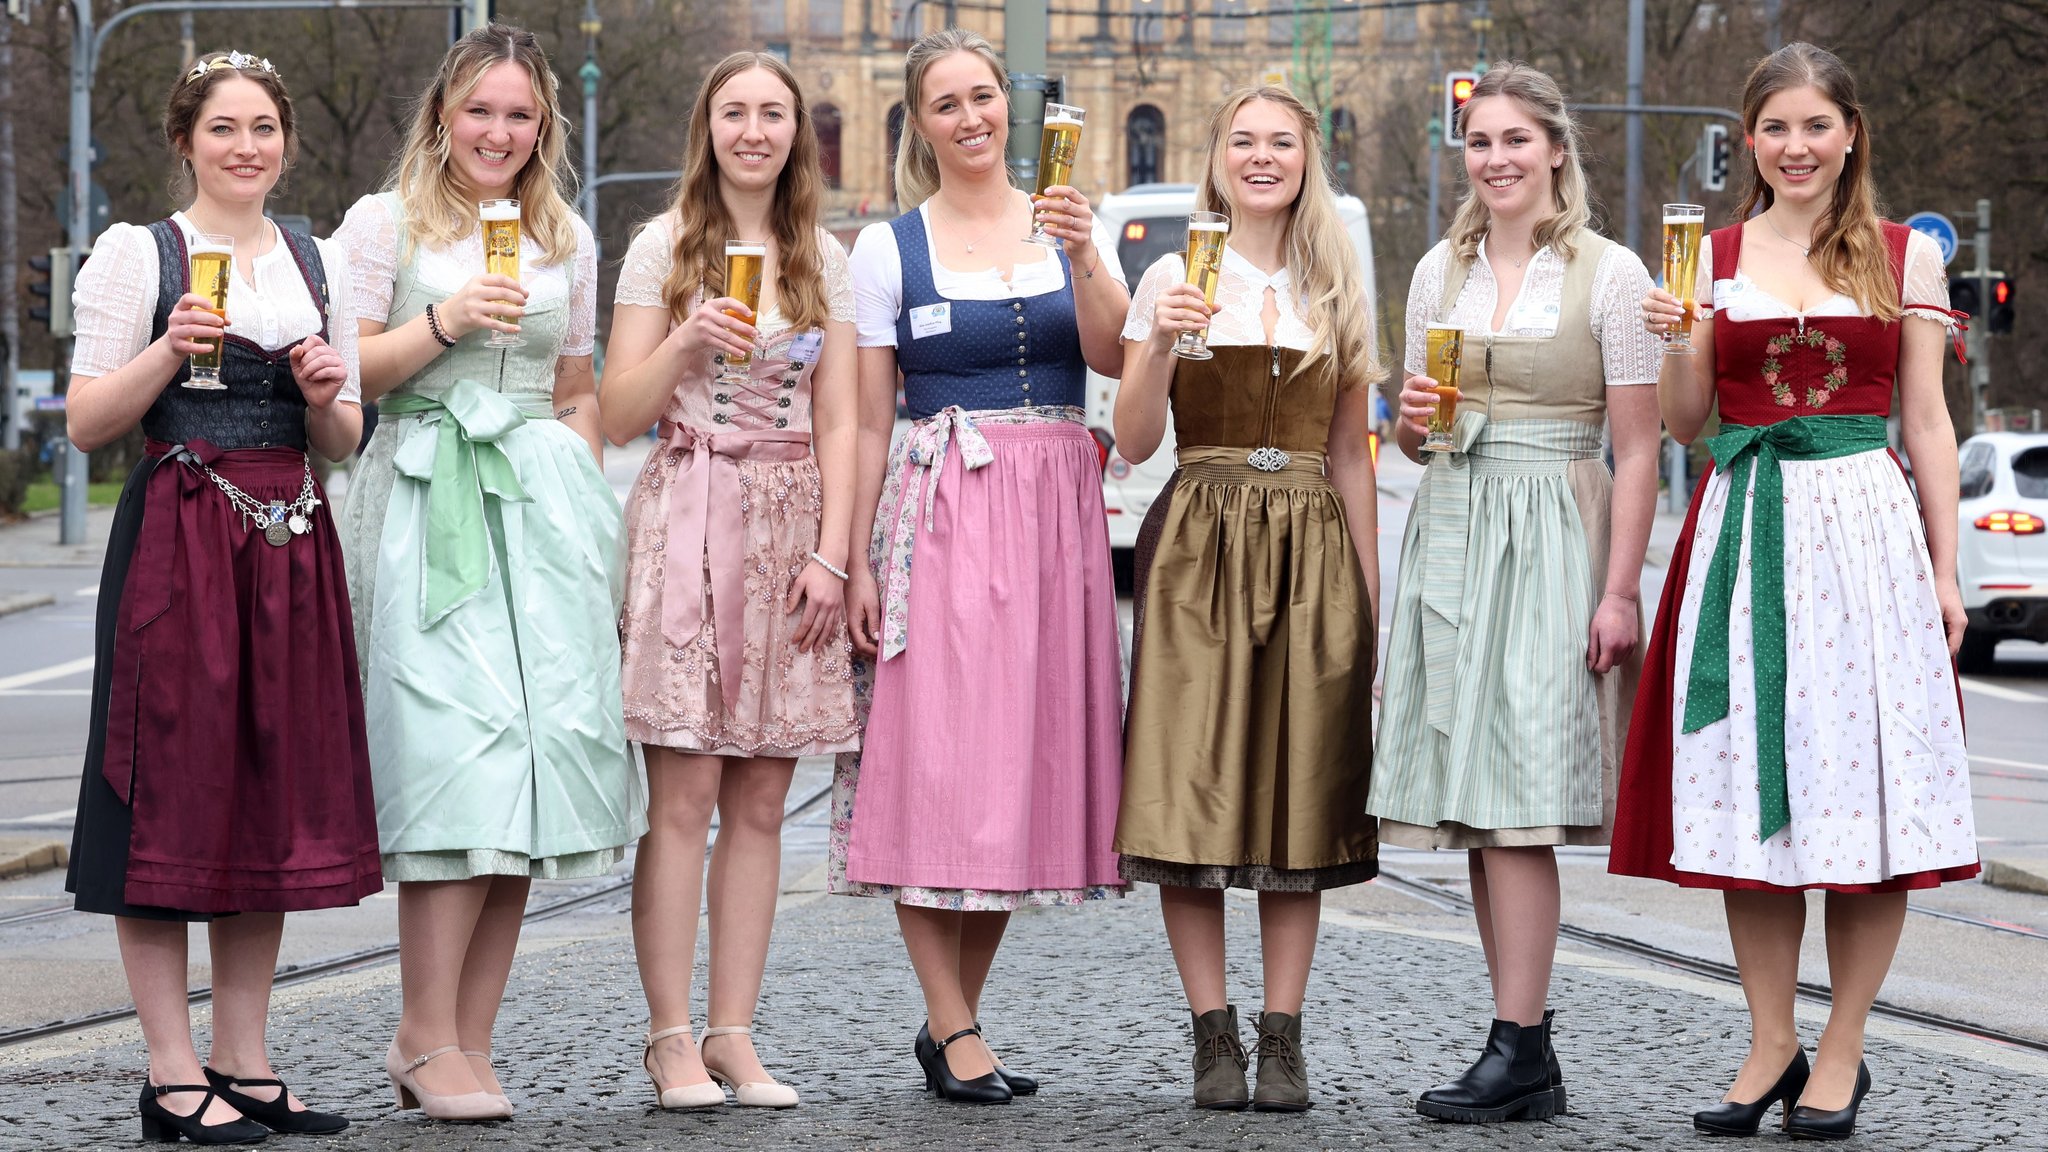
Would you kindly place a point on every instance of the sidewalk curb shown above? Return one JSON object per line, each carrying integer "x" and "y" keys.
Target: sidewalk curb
{"x": 12, "y": 602}
{"x": 40, "y": 858}
{"x": 2017, "y": 876}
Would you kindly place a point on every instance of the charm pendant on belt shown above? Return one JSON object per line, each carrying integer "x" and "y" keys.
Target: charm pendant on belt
{"x": 275, "y": 529}
{"x": 1268, "y": 459}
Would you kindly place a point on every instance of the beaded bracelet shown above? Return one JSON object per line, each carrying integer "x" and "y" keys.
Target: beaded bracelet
{"x": 828, "y": 566}
{"x": 441, "y": 336}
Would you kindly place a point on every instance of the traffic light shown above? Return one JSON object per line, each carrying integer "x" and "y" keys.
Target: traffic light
{"x": 1714, "y": 158}
{"x": 1457, "y": 93}
{"x": 1964, "y": 296}
{"x": 52, "y": 286}
{"x": 1998, "y": 314}
{"x": 39, "y": 288}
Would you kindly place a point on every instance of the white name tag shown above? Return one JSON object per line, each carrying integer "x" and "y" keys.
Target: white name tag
{"x": 931, "y": 320}
{"x": 804, "y": 349}
{"x": 1534, "y": 319}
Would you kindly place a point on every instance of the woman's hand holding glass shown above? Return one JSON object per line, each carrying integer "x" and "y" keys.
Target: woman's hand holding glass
{"x": 1064, "y": 212}
{"x": 1180, "y": 308}
{"x": 1419, "y": 399}
{"x": 193, "y": 326}
{"x": 490, "y": 303}
{"x": 1662, "y": 312}
{"x": 712, "y": 329}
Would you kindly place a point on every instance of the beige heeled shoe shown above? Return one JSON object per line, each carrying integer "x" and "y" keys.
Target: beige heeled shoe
{"x": 464, "y": 1106}
{"x": 485, "y": 1056}
{"x": 753, "y": 1094}
{"x": 683, "y": 1097}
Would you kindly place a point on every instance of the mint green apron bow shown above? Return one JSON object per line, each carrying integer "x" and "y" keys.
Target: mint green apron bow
{"x": 1740, "y": 451}
{"x": 1443, "y": 567}
{"x": 465, "y": 466}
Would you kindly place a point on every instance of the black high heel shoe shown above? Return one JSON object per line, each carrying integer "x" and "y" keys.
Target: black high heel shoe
{"x": 277, "y": 1114}
{"x": 165, "y": 1126}
{"x": 987, "y": 1088}
{"x": 1732, "y": 1118}
{"x": 1814, "y": 1124}
{"x": 1020, "y": 1084}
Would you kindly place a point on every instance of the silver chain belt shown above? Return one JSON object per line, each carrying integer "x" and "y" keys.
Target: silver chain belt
{"x": 278, "y": 520}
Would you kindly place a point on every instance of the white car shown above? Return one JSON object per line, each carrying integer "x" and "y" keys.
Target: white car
{"x": 2002, "y": 550}
{"x": 1148, "y": 221}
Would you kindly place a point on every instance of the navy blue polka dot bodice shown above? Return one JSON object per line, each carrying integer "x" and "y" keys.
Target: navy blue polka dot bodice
{"x": 1014, "y": 353}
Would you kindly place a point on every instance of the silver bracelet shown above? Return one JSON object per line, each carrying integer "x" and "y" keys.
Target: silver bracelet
{"x": 827, "y": 566}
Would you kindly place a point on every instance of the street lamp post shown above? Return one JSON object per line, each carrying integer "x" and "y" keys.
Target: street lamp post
{"x": 590, "y": 73}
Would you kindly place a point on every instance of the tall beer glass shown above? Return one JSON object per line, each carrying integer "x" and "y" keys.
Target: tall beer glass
{"x": 1206, "y": 233}
{"x": 1446, "y": 352}
{"x": 501, "y": 255}
{"x": 1684, "y": 225}
{"x": 213, "y": 260}
{"x": 745, "y": 260}
{"x": 1057, "y": 147}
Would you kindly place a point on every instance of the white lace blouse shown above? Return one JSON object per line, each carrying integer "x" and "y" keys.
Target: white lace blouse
{"x": 269, "y": 304}
{"x": 878, "y": 277}
{"x": 1628, "y": 354}
{"x": 1240, "y": 301}
{"x": 652, "y": 255}
{"x": 369, "y": 233}
{"x": 1739, "y": 297}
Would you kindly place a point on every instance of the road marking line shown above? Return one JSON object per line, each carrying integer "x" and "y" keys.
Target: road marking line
{"x": 2002, "y": 763}
{"x": 46, "y": 692}
{"x": 1999, "y": 692}
{"x": 93, "y": 590}
{"x": 53, "y": 672}
{"x": 62, "y": 816}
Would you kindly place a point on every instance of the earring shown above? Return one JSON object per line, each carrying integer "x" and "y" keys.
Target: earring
{"x": 1850, "y": 148}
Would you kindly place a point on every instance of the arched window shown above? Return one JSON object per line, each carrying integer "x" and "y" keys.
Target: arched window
{"x": 1344, "y": 149}
{"x": 825, "y": 119}
{"x": 1144, "y": 145}
{"x": 895, "y": 141}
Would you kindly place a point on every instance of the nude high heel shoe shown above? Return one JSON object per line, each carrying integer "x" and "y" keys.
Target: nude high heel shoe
{"x": 683, "y": 1097}
{"x": 753, "y": 1094}
{"x": 485, "y": 1056}
{"x": 465, "y": 1106}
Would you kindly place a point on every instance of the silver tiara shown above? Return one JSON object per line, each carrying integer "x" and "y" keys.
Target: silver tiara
{"x": 240, "y": 61}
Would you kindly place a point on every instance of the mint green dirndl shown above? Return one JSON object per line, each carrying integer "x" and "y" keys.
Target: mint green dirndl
{"x": 485, "y": 564}
{"x": 1492, "y": 731}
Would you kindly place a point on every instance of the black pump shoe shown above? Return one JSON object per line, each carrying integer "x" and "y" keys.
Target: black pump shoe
{"x": 1020, "y": 1084}
{"x": 987, "y": 1088}
{"x": 1814, "y": 1124}
{"x": 1510, "y": 1081}
{"x": 1732, "y": 1118}
{"x": 165, "y": 1126}
{"x": 276, "y": 1115}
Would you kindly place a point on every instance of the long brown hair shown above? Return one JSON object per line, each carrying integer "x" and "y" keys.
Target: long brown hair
{"x": 1571, "y": 197}
{"x": 917, "y": 166}
{"x": 1320, "y": 260}
{"x": 438, "y": 213}
{"x": 702, "y": 225}
{"x": 1849, "y": 248}
{"x": 188, "y": 97}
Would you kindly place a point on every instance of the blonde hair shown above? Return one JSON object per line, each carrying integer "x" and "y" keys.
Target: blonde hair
{"x": 703, "y": 225}
{"x": 1321, "y": 263}
{"x": 917, "y": 166}
{"x": 437, "y": 212}
{"x": 1849, "y": 247}
{"x": 1570, "y": 196}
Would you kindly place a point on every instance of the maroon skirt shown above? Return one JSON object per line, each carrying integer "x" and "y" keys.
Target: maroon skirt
{"x": 227, "y": 769}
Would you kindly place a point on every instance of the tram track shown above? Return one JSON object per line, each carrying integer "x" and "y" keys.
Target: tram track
{"x": 1449, "y": 899}
{"x": 343, "y": 963}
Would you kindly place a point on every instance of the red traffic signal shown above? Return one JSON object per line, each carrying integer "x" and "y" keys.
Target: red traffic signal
{"x": 1458, "y": 88}
{"x": 1998, "y": 312}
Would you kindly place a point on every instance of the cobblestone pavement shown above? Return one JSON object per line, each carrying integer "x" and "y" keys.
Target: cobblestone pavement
{"x": 1084, "y": 999}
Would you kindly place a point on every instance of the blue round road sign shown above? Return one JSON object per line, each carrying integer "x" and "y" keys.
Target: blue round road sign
{"x": 1941, "y": 228}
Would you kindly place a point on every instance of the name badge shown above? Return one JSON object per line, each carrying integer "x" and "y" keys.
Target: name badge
{"x": 1537, "y": 319}
{"x": 804, "y": 349}
{"x": 931, "y": 320}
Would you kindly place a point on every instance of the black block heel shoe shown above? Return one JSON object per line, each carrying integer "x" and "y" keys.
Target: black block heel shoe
{"x": 1020, "y": 1084}
{"x": 276, "y": 1115}
{"x": 1813, "y": 1124}
{"x": 987, "y": 1088}
{"x": 1731, "y": 1118}
{"x": 165, "y": 1126}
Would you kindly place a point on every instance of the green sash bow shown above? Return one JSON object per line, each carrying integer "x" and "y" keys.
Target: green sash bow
{"x": 1741, "y": 451}
{"x": 466, "y": 466}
